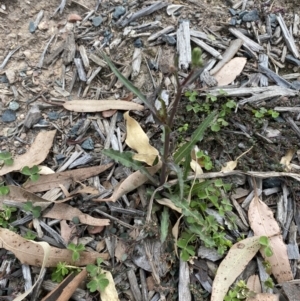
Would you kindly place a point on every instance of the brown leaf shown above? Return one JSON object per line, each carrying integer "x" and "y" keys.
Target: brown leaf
{"x": 90, "y": 106}
{"x": 132, "y": 182}
{"x": 66, "y": 231}
{"x": 264, "y": 297}
{"x": 232, "y": 265}
{"x": 67, "y": 212}
{"x": 263, "y": 223}
{"x": 230, "y": 71}
{"x": 47, "y": 182}
{"x": 31, "y": 253}
{"x": 253, "y": 283}
{"x": 36, "y": 154}
{"x": 120, "y": 250}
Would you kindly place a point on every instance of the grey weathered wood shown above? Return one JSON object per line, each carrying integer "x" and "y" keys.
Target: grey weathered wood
{"x": 233, "y": 48}
{"x": 184, "y": 293}
{"x": 289, "y": 40}
{"x": 41, "y": 61}
{"x": 199, "y": 34}
{"x": 247, "y": 42}
{"x": 263, "y": 61}
{"x": 287, "y": 109}
{"x": 184, "y": 45}
{"x": 156, "y": 35}
{"x": 292, "y": 123}
{"x": 93, "y": 75}
{"x": 295, "y": 25}
{"x": 208, "y": 48}
{"x": 136, "y": 62}
{"x": 143, "y": 12}
{"x": 80, "y": 69}
{"x": 84, "y": 57}
{"x": 292, "y": 247}
{"x": 134, "y": 285}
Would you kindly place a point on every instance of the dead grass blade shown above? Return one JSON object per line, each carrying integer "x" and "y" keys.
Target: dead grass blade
{"x": 90, "y": 106}
{"x": 47, "y": 182}
{"x": 36, "y": 154}
{"x": 28, "y": 252}
{"x": 67, "y": 212}
{"x": 232, "y": 265}
{"x": 263, "y": 223}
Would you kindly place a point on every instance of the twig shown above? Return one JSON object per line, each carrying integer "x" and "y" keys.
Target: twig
{"x": 8, "y": 57}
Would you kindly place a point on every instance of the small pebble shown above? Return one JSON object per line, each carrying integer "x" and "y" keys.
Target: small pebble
{"x": 170, "y": 40}
{"x": 88, "y": 144}
{"x": 32, "y": 27}
{"x": 251, "y": 16}
{"x": 138, "y": 43}
{"x": 13, "y": 105}
{"x": 9, "y": 116}
{"x": 53, "y": 115}
{"x": 97, "y": 21}
{"x": 74, "y": 18}
{"x": 119, "y": 11}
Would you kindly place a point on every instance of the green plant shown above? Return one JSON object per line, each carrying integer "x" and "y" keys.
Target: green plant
{"x": 269, "y": 283}
{"x": 265, "y": 244}
{"x": 76, "y": 249}
{"x": 183, "y": 128}
{"x": 204, "y": 160}
{"x": 166, "y": 119}
{"x": 4, "y": 190}
{"x": 29, "y": 235}
{"x": 6, "y": 158}
{"x": 62, "y": 270}
{"x": 32, "y": 172}
{"x": 35, "y": 210}
{"x": 239, "y": 292}
{"x": 98, "y": 280}
{"x": 5, "y": 215}
{"x": 262, "y": 112}
{"x": 199, "y": 224}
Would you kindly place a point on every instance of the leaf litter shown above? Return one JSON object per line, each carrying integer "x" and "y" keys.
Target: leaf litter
{"x": 128, "y": 190}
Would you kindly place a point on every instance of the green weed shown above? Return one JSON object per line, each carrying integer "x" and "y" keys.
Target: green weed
{"x": 76, "y": 249}
{"x": 6, "y": 215}
{"x": 6, "y": 158}
{"x": 34, "y": 210}
{"x": 32, "y": 172}
{"x": 98, "y": 280}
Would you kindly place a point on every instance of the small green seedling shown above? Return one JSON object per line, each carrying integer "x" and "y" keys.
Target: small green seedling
{"x": 265, "y": 244}
{"x": 29, "y": 235}
{"x": 183, "y": 128}
{"x": 35, "y": 210}
{"x": 269, "y": 283}
{"x": 262, "y": 112}
{"x": 4, "y": 190}
{"x": 239, "y": 292}
{"x": 98, "y": 280}
{"x": 5, "y": 215}
{"x": 76, "y": 249}
{"x": 6, "y": 158}
{"x": 32, "y": 172}
{"x": 205, "y": 160}
{"x": 62, "y": 270}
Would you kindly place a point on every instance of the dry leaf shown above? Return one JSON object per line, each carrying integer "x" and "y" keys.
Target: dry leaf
{"x": 66, "y": 231}
{"x": 67, "y": 212}
{"x": 286, "y": 160}
{"x": 230, "y": 71}
{"x": 253, "y": 283}
{"x": 120, "y": 250}
{"x": 168, "y": 203}
{"x": 232, "y": 265}
{"x": 45, "y": 170}
{"x": 28, "y": 252}
{"x": 36, "y": 154}
{"x": 132, "y": 182}
{"x": 139, "y": 141}
{"x": 110, "y": 293}
{"x": 263, "y": 223}
{"x": 47, "y": 182}
{"x": 231, "y": 165}
{"x": 89, "y": 106}
{"x": 46, "y": 251}
{"x": 264, "y": 297}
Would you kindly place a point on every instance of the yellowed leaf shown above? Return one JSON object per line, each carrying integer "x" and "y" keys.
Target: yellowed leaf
{"x": 36, "y": 154}
{"x": 175, "y": 232}
{"x": 132, "y": 182}
{"x": 139, "y": 141}
{"x": 195, "y": 166}
{"x": 232, "y": 265}
{"x": 253, "y": 283}
{"x": 46, "y": 252}
{"x": 110, "y": 293}
{"x": 230, "y": 71}
{"x": 28, "y": 252}
{"x": 101, "y": 105}
{"x": 263, "y": 223}
{"x": 168, "y": 203}
{"x": 286, "y": 160}
{"x": 67, "y": 212}
{"x": 231, "y": 165}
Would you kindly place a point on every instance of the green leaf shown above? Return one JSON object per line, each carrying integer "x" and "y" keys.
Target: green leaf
{"x": 264, "y": 240}
{"x": 268, "y": 251}
{"x": 4, "y": 190}
{"x": 75, "y": 256}
{"x": 184, "y": 151}
{"x": 34, "y": 177}
{"x": 80, "y": 248}
{"x": 99, "y": 261}
{"x": 126, "y": 159}
{"x": 215, "y": 127}
{"x": 9, "y": 162}
{"x": 92, "y": 270}
{"x": 5, "y": 156}
{"x": 36, "y": 211}
{"x": 128, "y": 84}
{"x": 28, "y": 206}
{"x": 26, "y": 171}
{"x": 164, "y": 224}
{"x": 92, "y": 285}
{"x": 34, "y": 169}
